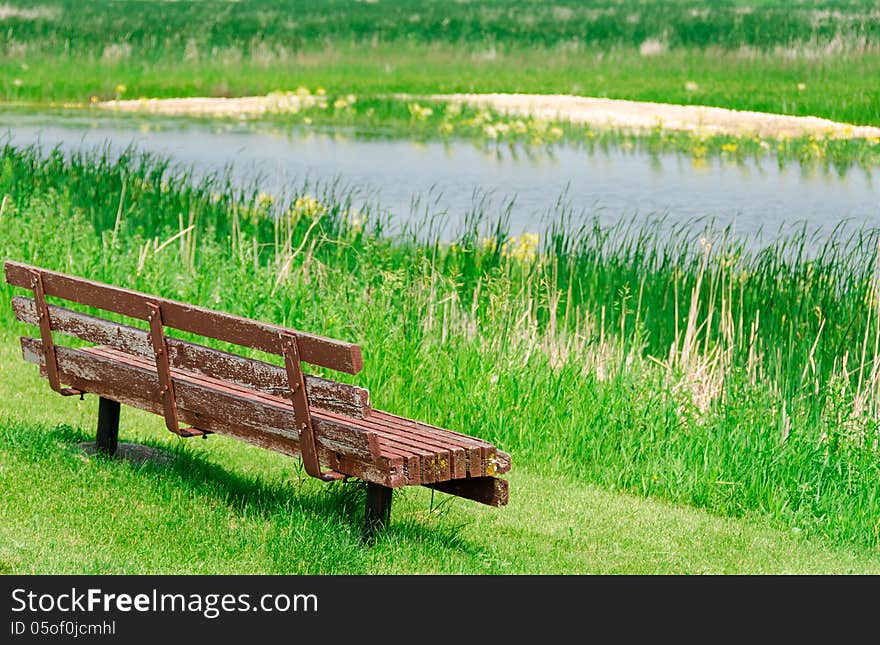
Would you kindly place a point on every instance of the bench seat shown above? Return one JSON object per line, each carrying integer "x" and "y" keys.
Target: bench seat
{"x": 414, "y": 453}
{"x": 200, "y": 390}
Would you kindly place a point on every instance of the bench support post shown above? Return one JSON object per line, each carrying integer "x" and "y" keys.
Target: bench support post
{"x": 301, "y": 414}
{"x": 163, "y": 369}
{"x": 45, "y": 324}
{"x": 108, "y": 426}
{"x": 378, "y": 510}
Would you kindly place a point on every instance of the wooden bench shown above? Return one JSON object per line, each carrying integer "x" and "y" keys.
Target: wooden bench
{"x": 330, "y": 425}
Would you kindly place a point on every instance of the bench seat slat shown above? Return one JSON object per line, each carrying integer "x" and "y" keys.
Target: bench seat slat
{"x": 429, "y": 454}
{"x": 132, "y": 387}
{"x": 416, "y": 455}
{"x": 459, "y": 457}
{"x": 317, "y": 350}
{"x": 251, "y": 373}
{"x": 198, "y": 404}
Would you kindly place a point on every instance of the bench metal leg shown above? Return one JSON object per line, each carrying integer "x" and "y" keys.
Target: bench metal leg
{"x": 378, "y": 511}
{"x": 108, "y": 426}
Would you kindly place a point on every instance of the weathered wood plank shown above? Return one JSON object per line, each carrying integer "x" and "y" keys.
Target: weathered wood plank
{"x": 451, "y": 458}
{"x": 229, "y": 404}
{"x": 485, "y": 490}
{"x": 258, "y": 375}
{"x": 483, "y": 459}
{"x": 421, "y": 457}
{"x": 317, "y": 350}
{"x": 338, "y": 449}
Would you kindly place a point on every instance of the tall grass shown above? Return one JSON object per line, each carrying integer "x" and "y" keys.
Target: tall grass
{"x": 204, "y": 27}
{"x": 682, "y": 364}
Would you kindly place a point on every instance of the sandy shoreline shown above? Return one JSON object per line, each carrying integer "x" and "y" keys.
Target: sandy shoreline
{"x": 597, "y": 112}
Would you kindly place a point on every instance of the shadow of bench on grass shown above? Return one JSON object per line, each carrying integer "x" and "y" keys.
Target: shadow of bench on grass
{"x": 343, "y": 501}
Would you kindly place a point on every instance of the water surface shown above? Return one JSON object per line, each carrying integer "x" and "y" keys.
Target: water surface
{"x": 448, "y": 180}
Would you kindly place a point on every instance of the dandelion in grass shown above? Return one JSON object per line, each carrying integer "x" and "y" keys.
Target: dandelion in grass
{"x": 691, "y": 86}
{"x": 729, "y": 148}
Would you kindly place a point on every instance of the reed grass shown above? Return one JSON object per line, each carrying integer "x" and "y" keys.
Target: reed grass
{"x": 684, "y": 364}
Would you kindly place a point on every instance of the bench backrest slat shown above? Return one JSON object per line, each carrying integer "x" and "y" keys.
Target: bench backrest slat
{"x": 317, "y": 350}
{"x": 137, "y": 386}
{"x": 247, "y": 372}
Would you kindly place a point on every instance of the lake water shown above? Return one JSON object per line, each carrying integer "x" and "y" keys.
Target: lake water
{"x": 449, "y": 179}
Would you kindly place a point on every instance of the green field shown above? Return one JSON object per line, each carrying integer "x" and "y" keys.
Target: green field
{"x": 817, "y": 58}
{"x": 609, "y": 362}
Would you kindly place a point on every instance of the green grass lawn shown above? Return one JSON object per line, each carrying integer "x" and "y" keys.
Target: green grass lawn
{"x": 222, "y": 506}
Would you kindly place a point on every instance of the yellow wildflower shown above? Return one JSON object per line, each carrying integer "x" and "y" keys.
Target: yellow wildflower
{"x": 355, "y": 221}
{"x": 308, "y": 206}
{"x": 419, "y": 112}
{"x": 522, "y": 248}
{"x": 488, "y": 244}
{"x": 265, "y": 201}
{"x": 453, "y": 109}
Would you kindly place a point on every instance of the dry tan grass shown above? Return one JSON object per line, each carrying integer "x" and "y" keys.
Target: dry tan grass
{"x": 637, "y": 115}
{"x": 596, "y": 112}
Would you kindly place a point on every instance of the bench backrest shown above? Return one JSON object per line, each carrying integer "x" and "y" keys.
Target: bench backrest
{"x": 259, "y": 375}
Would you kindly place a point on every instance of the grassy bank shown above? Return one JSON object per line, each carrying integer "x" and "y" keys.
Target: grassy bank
{"x": 810, "y": 59}
{"x": 254, "y": 513}
{"x": 698, "y": 371}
